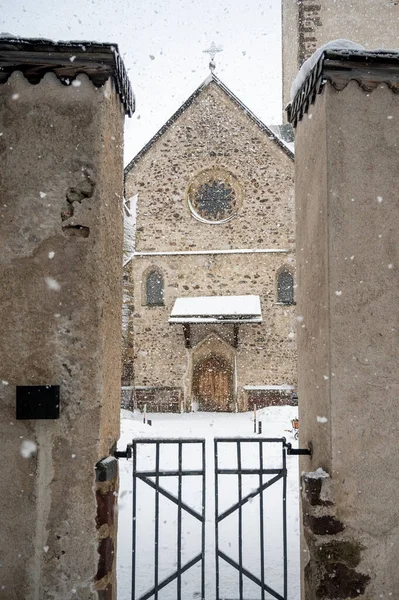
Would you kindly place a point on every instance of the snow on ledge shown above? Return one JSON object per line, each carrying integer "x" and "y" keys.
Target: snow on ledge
{"x": 308, "y": 65}
{"x": 236, "y": 251}
{"x": 269, "y": 387}
{"x": 318, "y": 474}
{"x": 214, "y": 309}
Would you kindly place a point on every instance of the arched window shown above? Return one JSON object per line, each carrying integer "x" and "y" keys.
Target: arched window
{"x": 154, "y": 289}
{"x": 285, "y": 287}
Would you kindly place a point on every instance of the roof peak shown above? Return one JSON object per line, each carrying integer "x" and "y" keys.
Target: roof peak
{"x": 211, "y": 78}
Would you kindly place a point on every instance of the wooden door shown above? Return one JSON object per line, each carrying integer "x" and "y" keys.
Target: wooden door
{"x": 213, "y": 384}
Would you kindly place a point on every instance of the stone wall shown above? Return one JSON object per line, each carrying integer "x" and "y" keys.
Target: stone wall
{"x": 213, "y": 133}
{"x": 60, "y": 267}
{"x": 262, "y": 398}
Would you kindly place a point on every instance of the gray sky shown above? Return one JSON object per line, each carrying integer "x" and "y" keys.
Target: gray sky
{"x": 162, "y": 43}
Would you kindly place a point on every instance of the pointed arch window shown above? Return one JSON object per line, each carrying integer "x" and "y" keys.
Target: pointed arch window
{"x": 154, "y": 289}
{"x": 285, "y": 287}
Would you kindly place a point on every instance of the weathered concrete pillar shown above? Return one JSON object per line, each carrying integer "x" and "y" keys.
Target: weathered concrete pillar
{"x": 62, "y": 110}
{"x": 347, "y": 160}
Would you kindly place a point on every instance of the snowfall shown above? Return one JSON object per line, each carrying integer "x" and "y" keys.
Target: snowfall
{"x": 276, "y": 423}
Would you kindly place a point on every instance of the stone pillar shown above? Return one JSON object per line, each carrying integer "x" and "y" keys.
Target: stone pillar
{"x": 347, "y": 156}
{"x": 62, "y": 109}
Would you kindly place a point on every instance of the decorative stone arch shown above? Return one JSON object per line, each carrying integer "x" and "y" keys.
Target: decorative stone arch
{"x": 158, "y": 287}
{"x": 213, "y": 379}
{"x": 285, "y": 285}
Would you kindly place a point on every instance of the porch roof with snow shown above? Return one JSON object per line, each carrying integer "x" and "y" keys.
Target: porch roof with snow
{"x": 216, "y": 309}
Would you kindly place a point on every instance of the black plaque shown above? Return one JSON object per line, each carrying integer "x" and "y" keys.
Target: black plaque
{"x": 38, "y": 401}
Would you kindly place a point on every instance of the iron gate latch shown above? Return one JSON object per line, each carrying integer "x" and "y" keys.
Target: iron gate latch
{"x": 298, "y": 451}
{"x": 124, "y": 453}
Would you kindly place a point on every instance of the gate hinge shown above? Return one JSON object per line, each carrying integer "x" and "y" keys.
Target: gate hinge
{"x": 124, "y": 453}
{"x": 298, "y": 451}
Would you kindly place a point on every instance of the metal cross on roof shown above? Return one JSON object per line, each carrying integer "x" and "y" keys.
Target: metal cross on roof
{"x": 212, "y": 51}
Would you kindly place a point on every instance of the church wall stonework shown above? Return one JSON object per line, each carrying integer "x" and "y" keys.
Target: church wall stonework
{"x": 266, "y": 352}
{"x": 213, "y": 133}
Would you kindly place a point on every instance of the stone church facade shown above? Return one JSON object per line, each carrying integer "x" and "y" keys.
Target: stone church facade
{"x": 214, "y": 201}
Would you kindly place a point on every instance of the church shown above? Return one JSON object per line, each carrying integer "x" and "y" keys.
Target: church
{"x": 212, "y": 275}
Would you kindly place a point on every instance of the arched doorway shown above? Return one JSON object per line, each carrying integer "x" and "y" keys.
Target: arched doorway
{"x": 213, "y": 384}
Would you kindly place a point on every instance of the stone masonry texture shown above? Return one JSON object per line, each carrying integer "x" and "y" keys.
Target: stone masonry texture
{"x": 213, "y": 133}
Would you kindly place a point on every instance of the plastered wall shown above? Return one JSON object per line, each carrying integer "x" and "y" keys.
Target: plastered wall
{"x": 60, "y": 297}
{"x": 346, "y": 160}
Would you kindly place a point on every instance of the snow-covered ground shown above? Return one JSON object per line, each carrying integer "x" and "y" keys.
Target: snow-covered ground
{"x": 202, "y": 425}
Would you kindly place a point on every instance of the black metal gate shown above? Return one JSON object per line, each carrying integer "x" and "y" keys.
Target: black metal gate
{"x": 154, "y": 466}
{"x": 266, "y": 477}
{"x": 154, "y": 477}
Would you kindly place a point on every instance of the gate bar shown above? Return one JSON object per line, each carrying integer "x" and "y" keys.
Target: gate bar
{"x": 181, "y": 506}
{"x": 134, "y": 511}
{"x": 240, "y": 577}
{"x": 280, "y": 473}
{"x": 285, "y": 521}
{"x": 179, "y": 527}
{"x": 216, "y": 517}
{"x": 156, "y": 561}
{"x": 203, "y": 522}
{"x": 262, "y": 533}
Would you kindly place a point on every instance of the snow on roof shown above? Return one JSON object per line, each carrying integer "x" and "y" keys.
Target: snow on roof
{"x": 285, "y": 133}
{"x": 310, "y": 62}
{"x": 214, "y": 309}
{"x": 338, "y": 63}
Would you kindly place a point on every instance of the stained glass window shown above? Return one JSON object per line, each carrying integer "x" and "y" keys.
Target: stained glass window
{"x": 214, "y": 200}
{"x": 215, "y": 195}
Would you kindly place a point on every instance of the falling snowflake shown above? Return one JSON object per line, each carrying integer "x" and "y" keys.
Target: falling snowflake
{"x": 52, "y": 284}
{"x": 28, "y": 448}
